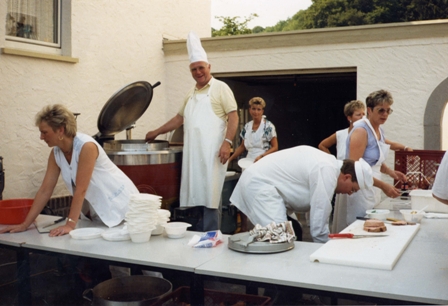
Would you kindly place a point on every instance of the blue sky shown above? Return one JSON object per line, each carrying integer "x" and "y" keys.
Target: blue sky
{"x": 269, "y": 11}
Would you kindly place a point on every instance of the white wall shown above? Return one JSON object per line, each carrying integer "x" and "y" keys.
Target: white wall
{"x": 117, "y": 42}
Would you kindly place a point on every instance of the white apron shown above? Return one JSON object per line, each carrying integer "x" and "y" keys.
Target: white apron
{"x": 254, "y": 142}
{"x": 202, "y": 172}
{"x": 365, "y": 199}
{"x": 341, "y": 140}
{"x": 340, "y": 203}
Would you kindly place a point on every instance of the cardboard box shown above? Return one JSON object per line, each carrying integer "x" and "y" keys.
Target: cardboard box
{"x": 421, "y": 198}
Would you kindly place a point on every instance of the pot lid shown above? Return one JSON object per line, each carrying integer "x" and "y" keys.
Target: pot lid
{"x": 125, "y": 107}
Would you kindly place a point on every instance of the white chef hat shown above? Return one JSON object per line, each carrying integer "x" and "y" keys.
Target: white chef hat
{"x": 196, "y": 52}
{"x": 363, "y": 174}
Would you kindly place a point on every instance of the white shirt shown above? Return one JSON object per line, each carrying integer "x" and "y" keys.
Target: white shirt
{"x": 341, "y": 140}
{"x": 109, "y": 188}
{"x": 440, "y": 189}
{"x": 292, "y": 180}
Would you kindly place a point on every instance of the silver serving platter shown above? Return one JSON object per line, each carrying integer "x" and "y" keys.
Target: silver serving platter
{"x": 238, "y": 241}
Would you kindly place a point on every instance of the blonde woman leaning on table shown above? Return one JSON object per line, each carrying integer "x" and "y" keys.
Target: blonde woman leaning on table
{"x": 353, "y": 111}
{"x": 258, "y": 136}
{"x": 367, "y": 141}
{"x": 86, "y": 170}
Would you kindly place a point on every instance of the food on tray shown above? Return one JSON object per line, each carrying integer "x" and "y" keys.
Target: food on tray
{"x": 273, "y": 233}
{"x": 374, "y": 225}
{"x": 400, "y": 222}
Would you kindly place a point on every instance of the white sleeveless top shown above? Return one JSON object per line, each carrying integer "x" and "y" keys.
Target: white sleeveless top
{"x": 109, "y": 189}
{"x": 341, "y": 139}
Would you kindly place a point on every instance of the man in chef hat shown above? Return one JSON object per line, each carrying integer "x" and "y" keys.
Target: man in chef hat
{"x": 298, "y": 179}
{"x": 210, "y": 119}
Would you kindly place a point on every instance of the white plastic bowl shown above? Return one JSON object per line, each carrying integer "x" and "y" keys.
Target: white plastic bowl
{"x": 380, "y": 214}
{"x": 175, "y": 229}
{"x": 163, "y": 213}
{"x": 245, "y": 163}
{"x": 412, "y": 217}
{"x": 158, "y": 230}
{"x": 140, "y": 237}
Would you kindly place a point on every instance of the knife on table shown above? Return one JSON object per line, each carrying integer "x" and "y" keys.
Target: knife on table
{"x": 350, "y": 235}
{"x": 55, "y": 222}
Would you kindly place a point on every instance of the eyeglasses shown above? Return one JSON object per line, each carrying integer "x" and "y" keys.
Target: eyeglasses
{"x": 389, "y": 111}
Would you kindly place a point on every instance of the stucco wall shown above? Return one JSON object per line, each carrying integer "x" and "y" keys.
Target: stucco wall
{"x": 410, "y": 65}
{"x": 117, "y": 42}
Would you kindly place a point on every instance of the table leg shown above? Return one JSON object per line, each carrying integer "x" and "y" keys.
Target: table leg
{"x": 197, "y": 290}
{"x": 23, "y": 276}
{"x": 251, "y": 289}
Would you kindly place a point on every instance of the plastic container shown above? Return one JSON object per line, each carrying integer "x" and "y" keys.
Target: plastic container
{"x": 410, "y": 215}
{"x": 380, "y": 214}
{"x": 401, "y": 203}
{"x": 158, "y": 230}
{"x": 420, "y": 166}
{"x": 181, "y": 296}
{"x": 175, "y": 229}
{"x": 14, "y": 211}
{"x": 140, "y": 237}
{"x": 421, "y": 198}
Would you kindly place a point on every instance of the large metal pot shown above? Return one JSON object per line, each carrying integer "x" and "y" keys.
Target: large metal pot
{"x": 129, "y": 290}
{"x": 155, "y": 167}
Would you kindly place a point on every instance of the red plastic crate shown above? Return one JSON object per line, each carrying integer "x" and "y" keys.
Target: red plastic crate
{"x": 181, "y": 296}
{"x": 420, "y": 166}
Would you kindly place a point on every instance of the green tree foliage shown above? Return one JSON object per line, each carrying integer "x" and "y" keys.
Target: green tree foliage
{"x": 294, "y": 23}
{"x": 232, "y": 26}
{"x": 337, "y": 13}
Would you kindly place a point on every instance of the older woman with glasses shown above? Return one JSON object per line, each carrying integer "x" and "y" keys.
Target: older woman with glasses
{"x": 367, "y": 141}
{"x": 258, "y": 136}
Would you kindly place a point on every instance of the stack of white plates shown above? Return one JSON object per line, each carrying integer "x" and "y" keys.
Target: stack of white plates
{"x": 163, "y": 217}
{"x": 142, "y": 216}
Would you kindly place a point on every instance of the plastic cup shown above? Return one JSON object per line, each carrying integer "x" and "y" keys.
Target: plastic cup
{"x": 140, "y": 237}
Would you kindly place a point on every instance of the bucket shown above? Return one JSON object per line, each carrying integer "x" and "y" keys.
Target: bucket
{"x": 14, "y": 211}
{"x": 129, "y": 290}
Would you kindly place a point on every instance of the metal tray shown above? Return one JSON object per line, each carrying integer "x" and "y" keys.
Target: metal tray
{"x": 237, "y": 243}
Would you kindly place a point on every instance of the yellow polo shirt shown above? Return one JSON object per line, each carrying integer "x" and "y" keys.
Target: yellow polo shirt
{"x": 221, "y": 96}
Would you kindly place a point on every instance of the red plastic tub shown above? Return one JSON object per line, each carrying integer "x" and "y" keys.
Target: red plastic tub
{"x": 14, "y": 211}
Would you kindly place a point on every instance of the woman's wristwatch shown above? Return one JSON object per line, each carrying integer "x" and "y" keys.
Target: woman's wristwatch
{"x": 229, "y": 141}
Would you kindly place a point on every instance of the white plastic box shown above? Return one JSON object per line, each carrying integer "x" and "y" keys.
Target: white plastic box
{"x": 421, "y": 198}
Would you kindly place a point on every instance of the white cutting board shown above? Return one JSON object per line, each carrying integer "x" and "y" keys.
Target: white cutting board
{"x": 376, "y": 253}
